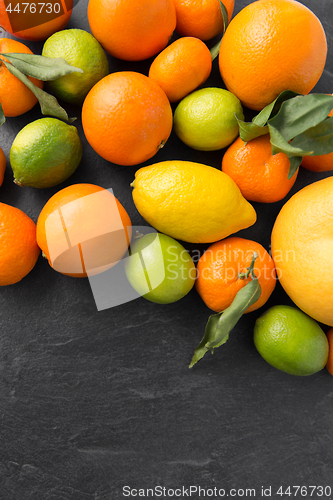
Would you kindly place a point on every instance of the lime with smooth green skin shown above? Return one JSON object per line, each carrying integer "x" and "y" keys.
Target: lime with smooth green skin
{"x": 80, "y": 49}
{"x": 160, "y": 269}
{"x": 291, "y": 341}
{"x": 206, "y": 119}
{"x": 45, "y": 153}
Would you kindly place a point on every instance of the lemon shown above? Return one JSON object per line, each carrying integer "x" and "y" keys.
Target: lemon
{"x": 160, "y": 269}
{"x": 45, "y": 153}
{"x": 190, "y": 201}
{"x": 80, "y": 49}
{"x": 206, "y": 119}
{"x": 291, "y": 341}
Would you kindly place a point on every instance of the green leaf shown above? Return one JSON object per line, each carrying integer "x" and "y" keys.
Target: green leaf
{"x": 250, "y": 130}
{"x": 219, "y": 325}
{"x": 295, "y": 162}
{"x": 280, "y": 145}
{"x": 41, "y": 67}
{"x": 2, "y": 116}
{"x": 319, "y": 138}
{"x": 271, "y": 109}
{"x": 48, "y": 103}
{"x": 215, "y": 50}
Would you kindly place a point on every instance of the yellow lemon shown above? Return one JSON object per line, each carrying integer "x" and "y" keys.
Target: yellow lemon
{"x": 190, "y": 201}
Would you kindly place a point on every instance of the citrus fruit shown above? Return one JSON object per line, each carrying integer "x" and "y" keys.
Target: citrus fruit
{"x": 129, "y": 32}
{"x": 43, "y": 29}
{"x": 205, "y": 119}
{"x": 80, "y": 49}
{"x": 83, "y": 230}
{"x": 201, "y": 18}
{"x": 181, "y": 67}
{"x": 160, "y": 269}
{"x": 126, "y": 118}
{"x": 264, "y": 51}
{"x": 15, "y": 97}
{"x": 260, "y": 175}
{"x": 18, "y": 247}
{"x": 291, "y": 341}
{"x": 329, "y": 364}
{"x": 302, "y": 249}
{"x": 222, "y": 271}
{"x": 190, "y": 201}
{"x": 2, "y": 165}
{"x": 319, "y": 163}
{"x": 45, "y": 153}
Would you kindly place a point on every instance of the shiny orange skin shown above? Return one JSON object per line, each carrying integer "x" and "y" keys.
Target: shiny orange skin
{"x": 260, "y": 176}
{"x": 81, "y": 233}
{"x": 126, "y": 118}
{"x": 219, "y": 267}
{"x": 132, "y": 31}
{"x": 319, "y": 163}
{"x": 181, "y": 67}
{"x": 18, "y": 246}
{"x": 15, "y": 97}
{"x": 2, "y": 166}
{"x": 201, "y": 18}
{"x": 329, "y": 364}
{"x": 265, "y": 51}
{"x": 36, "y": 33}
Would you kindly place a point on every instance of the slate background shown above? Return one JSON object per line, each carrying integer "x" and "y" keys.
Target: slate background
{"x": 91, "y": 401}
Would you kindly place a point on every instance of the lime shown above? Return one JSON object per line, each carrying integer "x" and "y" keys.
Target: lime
{"x": 80, "y": 49}
{"x": 45, "y": 153}
{"x": 291, "y": 341}
{"x": 160, "y": 269}
{"x": 206, "y": 119}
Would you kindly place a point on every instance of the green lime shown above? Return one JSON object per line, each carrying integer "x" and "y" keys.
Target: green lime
{"x": 205, "y": 119}
{"x": 80, "y": 49}
{"x": 291, "y": 341}
{"x": 45, "y": 153}
{"x": 160, "y": 269}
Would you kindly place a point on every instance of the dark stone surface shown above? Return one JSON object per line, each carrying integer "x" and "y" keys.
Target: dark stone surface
{"x": 91, "y": 401}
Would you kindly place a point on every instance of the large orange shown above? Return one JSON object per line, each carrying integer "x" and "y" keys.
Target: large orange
{"x": 271, "y": 46}
{"x": 3, "y": 162}
{"x": 201, "y": 18}
{"x": 302, "y": 249}
{"x": 259, "y": 175}
{"x": 41, "y": 31}
{"x": 15, "y": 97}
{"x": 221, "y": 269}
{"x": 126, "y": 118}
{"x": 83, "y": 230}
{"x": 319, "y": 163}
{"x": 18, "y": 247}
{"x": 129, "y": 30}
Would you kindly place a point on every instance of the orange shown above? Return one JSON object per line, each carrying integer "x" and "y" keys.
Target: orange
{"x": 126, "y": 118}
{"x": 221, "y": 269}
{"x": 83, "y": 230}
{"x": 15, "y": 97}
{"x": 181, "y": 67}
{"x": 302, "y": 249}
{"x": 2, "y": 166}
{"x": 264, "y": 51}
{"x": 201, "y": 18}
{"x": 329, "y": 364}
{"x": 259, "y": 175}
{"x": 319, "y": 163}
{"x": 129, "y": 30}
{"x": 41, "y": 31}
{"x": 18, "y": 247}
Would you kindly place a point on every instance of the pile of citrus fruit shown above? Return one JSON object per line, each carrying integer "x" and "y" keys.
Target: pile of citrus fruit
{"x": 266, "y": 65}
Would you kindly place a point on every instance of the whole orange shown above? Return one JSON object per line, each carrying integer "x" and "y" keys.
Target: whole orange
{"x": 319, "y": 163}
{"x": 221, "y": 270}
{"x": 181, "y": 67}
{"x": 129, "y": 30}
{"x": 41, "y": 31}
{"x": 18, "y": 247}
{"x": 15, "y": 97}
{"x": 126, "y": 118}
{"x": 259, "y": 175}
{"x": 2, "y": 166}
{"x": 271, "y": 46}
{"x": 83, "y": 230}
{"x": 201, "y": 18}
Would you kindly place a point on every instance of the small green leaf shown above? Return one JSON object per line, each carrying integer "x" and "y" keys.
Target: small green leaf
{"x": 295, "y": 162}
{"x": 271, "y": 109}
{"x": 280, "y": 145}
{"x": 48, "y": 103}
{"x": 2, "y": 116}
{"x": 41, "y": 67}
{"x": 319, "y": 138}
{"x": 250, "y": 130}
{"x": 215, "y": 50}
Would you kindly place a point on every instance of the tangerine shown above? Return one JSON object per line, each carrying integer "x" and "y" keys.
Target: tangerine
{"x": 222, "y": 271}
{"x": 264, "y": 51}
{"x": 126, "y": 118}
{"x": 15, "y": 97}
{"x": 2, "y": 166}
{"x": 260, "y": 175}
